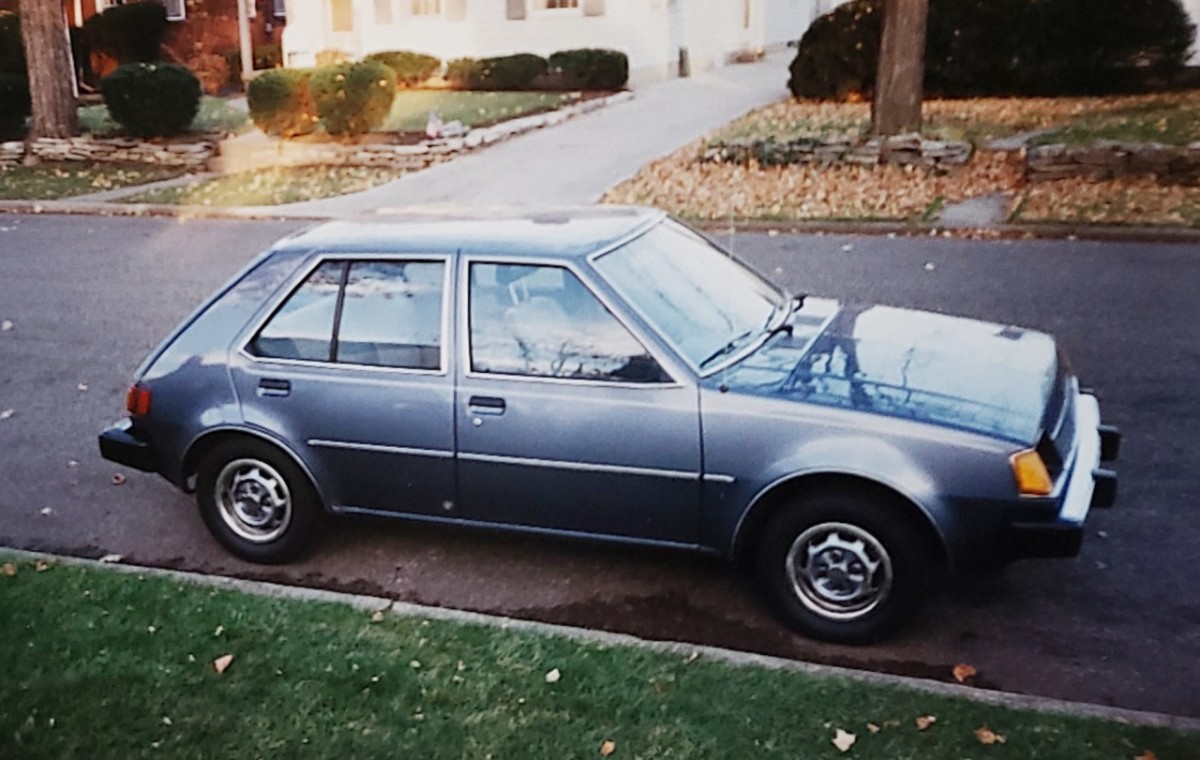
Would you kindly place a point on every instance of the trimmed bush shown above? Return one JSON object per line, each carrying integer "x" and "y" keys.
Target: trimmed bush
{"x": 460, "y": 71}
{"x": 281, "y": 103}
{"x": 14, "y": 104}
{"x": 152, "y": 99}
{"x": 12, "y": 50}
{"x": 1004, "y": 47}
{"x": 411, "y": 68}
{"x": 592, "y": 68}
{"x": 353, "y": 98}
{"x": 507, "y": 72}
{"x": 128, "y": 33}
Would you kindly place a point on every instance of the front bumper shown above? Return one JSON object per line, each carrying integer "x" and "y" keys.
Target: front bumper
{"x": 1053, "y": 527}
{"x": 122, "y": 444}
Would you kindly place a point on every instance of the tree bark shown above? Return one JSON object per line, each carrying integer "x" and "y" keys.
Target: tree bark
{"x": 896, "y": 106}
{"x": 51, "y": 71}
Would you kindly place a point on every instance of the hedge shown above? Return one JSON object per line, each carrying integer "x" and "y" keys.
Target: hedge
{"x": 353, "y": 98}
{"x": 411, "y": 68}
{"x": 152, "y": 99}
{"x": 592, "y": 68}
{"x": 129, "y": 33}
{"x": 281, "y": 103}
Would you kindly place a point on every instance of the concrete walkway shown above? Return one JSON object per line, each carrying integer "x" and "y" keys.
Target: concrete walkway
{"x": 575, "y": 162}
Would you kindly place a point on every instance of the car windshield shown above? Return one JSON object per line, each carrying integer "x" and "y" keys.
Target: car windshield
{"x": 706, "y": 303}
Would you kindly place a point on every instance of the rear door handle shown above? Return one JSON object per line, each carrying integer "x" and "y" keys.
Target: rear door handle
{"x": 268, "y": 386}
{"x": 486, "y": 405}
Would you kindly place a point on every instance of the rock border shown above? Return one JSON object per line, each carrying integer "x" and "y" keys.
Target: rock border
{"x": 905, "y": 150}
{"x": 1109, "y": 159}
{"x": 192, "y": 154}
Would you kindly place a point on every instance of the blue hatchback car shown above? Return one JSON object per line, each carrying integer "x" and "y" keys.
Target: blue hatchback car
{"x": 610, "y": 373}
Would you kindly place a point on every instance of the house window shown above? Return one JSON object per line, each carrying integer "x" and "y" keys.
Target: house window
{"x": 251, "y": 8}
{"x": 383, "y": 12}
{"x": 280, "y": 8}
{"x": 556, "y": 4}
{"x": 176, "y": 10}
{"x": 426, "y": 7}
{"x": 343, "y": 16}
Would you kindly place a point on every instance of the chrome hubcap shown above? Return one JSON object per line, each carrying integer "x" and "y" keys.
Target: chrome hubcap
{"x": 839, "y": 571}
{"x": 253, "y": 500}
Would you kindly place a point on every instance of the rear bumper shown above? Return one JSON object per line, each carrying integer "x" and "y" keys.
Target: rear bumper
{"x": 1053, "y": 527}
{"x": 121, "y": 444}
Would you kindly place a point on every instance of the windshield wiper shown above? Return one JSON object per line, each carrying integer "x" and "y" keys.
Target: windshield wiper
{"x": 784, "y": 326}
{"x": 728, "y": 348}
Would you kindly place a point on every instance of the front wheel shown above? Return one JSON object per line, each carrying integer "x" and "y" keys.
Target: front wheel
{"x": 844, "y": 568}
{"x": 256, "y": 501}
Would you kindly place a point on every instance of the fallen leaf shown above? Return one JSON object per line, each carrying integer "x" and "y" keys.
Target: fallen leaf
{"x": 8, "y": 569}
{"x": 1147, "y": 755}
{"x": 607, "y": 748}
{"x": 118, "y": 479}
{"x": 81, "y": 387}
{"x": 46, "y": 510}
{"x": 40, "y": 566}
{"x": 377, "y": 616}
{"x": 962, "y": 672}
{"x": 553, "y": 676}
{"x": 691, "y": 658}
{"x": 6, "y": 414}
{"x": 72, "y": 463}
{"x": 985, "y": 735}
{"x": 891, "y": 724}
{"x": 844, "y": 740}
{"x": 166, "y": 721}
{"x": 222, "y": 663}
{"x": 6, "y": 325}
{"x": 930, "y": 266}
{"x": 873, "y": 728}
{"x": 925, "y": 721}
{"x": 111, "y": 558}
{"x": 1101, "y": 534}
{"x": 219, "y": 630}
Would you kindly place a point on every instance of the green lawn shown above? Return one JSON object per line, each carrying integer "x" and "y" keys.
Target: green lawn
{"x": 215, "y": 115}
{"x": 101, "y": 664}
{"x": 410, "y": 109}
{"x": 269, "y": 187}
{"x": 63, "y": 180}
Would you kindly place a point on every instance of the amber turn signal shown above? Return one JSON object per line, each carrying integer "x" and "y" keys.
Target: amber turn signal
{"x": 1033, "y": 479}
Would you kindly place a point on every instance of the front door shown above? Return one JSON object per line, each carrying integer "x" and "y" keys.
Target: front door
{"x": 564, "y": 420}
{"x": 352, "y": 373}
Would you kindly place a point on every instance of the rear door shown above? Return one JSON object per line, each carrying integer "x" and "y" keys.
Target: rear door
{"x": 565, "y": 420}
{"x": 352, "y": 372}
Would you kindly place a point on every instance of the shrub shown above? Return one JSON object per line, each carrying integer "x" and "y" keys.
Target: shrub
{"x": 152, "y": 99}
{"x": 460, "y": 71}
{"x": 592, "y": 68}
{"x": 14, "y": 104}
{"x": 1001, "y": 47}
{"x": 128, "y": 33}
{"x": 507, "y": 72}
{"x": 353, "y": 98}
{"x": 411, "y": 68}
{"x": 281, "y": 103}
{"x": 12, "y": 50}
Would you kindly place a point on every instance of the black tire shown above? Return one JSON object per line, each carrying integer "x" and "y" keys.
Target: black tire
{"x": 844, "y": 567}
{"x": 276, "y": 513}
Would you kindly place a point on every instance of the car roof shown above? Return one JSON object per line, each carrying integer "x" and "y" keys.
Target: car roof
{"x": 553, "y": 232}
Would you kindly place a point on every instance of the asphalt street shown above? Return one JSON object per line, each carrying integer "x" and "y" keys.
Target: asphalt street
{"x": 88, "y": 297}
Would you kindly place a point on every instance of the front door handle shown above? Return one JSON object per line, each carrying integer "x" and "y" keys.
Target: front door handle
{"x": 486, "y": 405}
{"x": 268, "y": 386}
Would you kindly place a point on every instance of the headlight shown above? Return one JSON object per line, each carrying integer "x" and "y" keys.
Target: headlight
{"x": 1033, "y": 479}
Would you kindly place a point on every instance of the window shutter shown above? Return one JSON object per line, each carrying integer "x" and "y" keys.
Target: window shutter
{"x": 515, "y": 10}
{"x": 593, "y": 7}
{"x": 456, "y": 10}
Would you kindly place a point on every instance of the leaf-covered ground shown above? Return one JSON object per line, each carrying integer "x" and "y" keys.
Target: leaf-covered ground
{"x": 683, "y": 185}
{"x": 270, "y": 187}
{"x": 67, "y": 179}
{"x": 100, "y": 664}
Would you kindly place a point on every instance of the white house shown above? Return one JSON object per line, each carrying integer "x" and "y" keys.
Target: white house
{"x": 655, "y": 34}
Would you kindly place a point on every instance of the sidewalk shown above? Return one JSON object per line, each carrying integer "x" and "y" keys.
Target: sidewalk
{"x": 576, "y": 162}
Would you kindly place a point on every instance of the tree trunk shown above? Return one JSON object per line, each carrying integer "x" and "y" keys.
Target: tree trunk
{"x": 896, "y": 107}
{"x": 51, "y": 72}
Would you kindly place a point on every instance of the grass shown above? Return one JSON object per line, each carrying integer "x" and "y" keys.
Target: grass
{"x": 215, "y": 115}
{"x": 269, "y": 187}
{"x": 101, "y": 664}
{"x": 410, "y": 109}
{"x": 63, "y": 180}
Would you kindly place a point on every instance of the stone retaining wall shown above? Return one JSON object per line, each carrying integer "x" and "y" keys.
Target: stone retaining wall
{"x": 1106, "y": 160}
{"x": 193, "y": 155}
{"x": 901, "y": 149}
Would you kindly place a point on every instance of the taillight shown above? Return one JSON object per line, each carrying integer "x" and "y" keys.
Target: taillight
{"x": 137, "y": 400}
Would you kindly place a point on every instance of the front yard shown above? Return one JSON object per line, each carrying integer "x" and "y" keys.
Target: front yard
{"x": 686, "y": 186}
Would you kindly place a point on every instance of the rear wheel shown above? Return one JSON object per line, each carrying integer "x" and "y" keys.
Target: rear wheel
{"x": 844, "y": 567}
{"x": 256, "y": 501}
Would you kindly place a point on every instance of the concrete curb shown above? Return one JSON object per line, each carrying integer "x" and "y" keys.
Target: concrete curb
{"x": 744, "y": 659}
{"x": 907, "y": 229}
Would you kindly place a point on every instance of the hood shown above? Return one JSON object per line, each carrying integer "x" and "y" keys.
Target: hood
{"x": 961, "y": 373}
